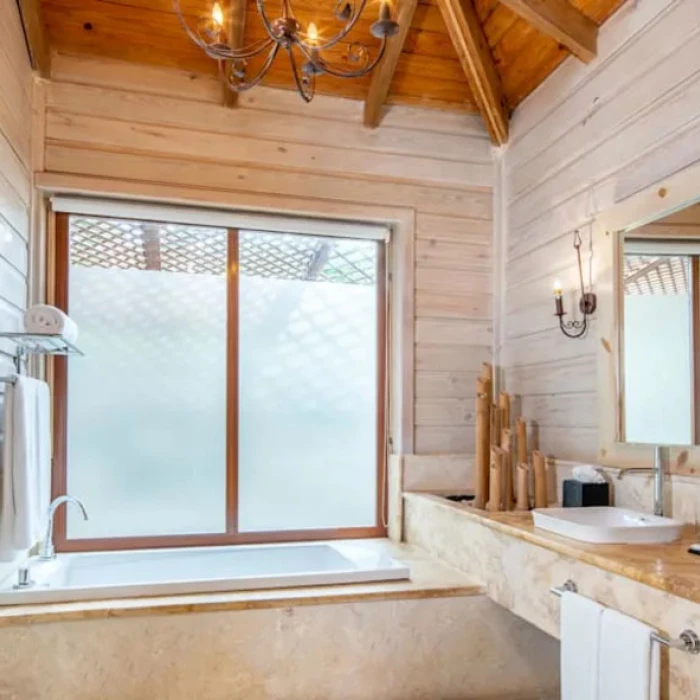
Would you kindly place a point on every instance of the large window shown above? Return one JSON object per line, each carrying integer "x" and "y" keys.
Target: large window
{"x": 232, "y": 388}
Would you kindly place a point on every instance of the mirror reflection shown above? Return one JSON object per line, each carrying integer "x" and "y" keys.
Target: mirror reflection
{"x": 660, "y": 330}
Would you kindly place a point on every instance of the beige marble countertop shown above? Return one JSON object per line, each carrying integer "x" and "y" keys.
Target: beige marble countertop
{"x": 668, "y": 567}
{"x": 429, "y": 579}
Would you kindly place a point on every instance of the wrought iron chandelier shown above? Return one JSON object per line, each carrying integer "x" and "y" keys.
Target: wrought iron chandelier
{"x": 304, "y": 46}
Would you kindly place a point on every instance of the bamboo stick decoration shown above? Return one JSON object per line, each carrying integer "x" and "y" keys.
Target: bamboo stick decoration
{"x": 508, "y": 498}
{"x": 523, "y": 502}
{"x": 504, "y": 406}
{"x": 496, "y": 479}
{"x": 483, "y": 419}
{"x": 521, "y": 440}
{"x": 487, "y": 376}
{"x": 495, "y": 429}
{"x": 540, "y": 473}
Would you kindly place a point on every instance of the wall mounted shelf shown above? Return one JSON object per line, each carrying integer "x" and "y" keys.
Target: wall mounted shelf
{"x": 38, "y": 344}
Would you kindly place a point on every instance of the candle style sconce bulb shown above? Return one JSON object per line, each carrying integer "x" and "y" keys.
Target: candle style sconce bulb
{"x": 588, "y": 302}
{"x": 217, "y": 16}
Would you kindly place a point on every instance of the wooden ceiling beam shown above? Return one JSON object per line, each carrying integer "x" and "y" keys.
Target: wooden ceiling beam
{"x": 477, "y": 62}
{"x": 384, "y": 72}
{"x": 35, "y": 36}
{"x": 561, "y": 21}
{"x": 236, "y": 37}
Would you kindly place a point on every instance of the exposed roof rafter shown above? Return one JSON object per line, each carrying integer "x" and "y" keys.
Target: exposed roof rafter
{"x": 384, "y": 73}
{"x": 35, "y": 36}
{"x": 475, "y": 56}
{"x": 561, "y": 21}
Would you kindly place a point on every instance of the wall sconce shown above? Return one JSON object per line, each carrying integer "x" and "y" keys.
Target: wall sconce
{"x": 587, "y": 304}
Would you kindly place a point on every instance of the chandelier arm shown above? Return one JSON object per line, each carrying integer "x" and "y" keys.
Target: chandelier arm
{"x": 343, "y": 32}
{"x": 243, "y": 87}
{"x": 216, "y": 50}
{"x": 306, "y": 93}
{"x": 266, "y": 22}
{"x": 338, "y": 72}
{"x": 224, "y": 52}
{"x": 190, "y": 33}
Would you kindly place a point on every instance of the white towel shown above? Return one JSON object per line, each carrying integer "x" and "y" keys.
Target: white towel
{"x": 44, "y": 319}
{"x": 580, "y": 636}
{"x": 26, "y": 466}
{"x": 629, "y": 659}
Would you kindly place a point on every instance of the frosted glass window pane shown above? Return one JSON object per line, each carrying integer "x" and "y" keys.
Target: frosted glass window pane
{"x": 308, "y": 385}
{"x": 657, "y": 351}
{"x": 147, "y": 403}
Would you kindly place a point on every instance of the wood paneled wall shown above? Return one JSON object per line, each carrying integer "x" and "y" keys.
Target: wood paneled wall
{"x": 15, "y": 170}
{"x": 588, "y": 138}
{"x": 15, "y": 184}
{"x": 111, "y": 120}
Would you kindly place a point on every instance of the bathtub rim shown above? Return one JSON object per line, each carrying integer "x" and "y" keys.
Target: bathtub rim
{"x": 388, "y": 569}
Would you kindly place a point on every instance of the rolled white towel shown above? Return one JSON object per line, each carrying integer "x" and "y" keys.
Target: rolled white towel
{"x": 48, "y": 320}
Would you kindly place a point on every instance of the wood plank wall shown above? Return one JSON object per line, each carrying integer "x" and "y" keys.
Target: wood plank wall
{"x": 107, "y": 119}
{"x": 15, "y": 171}
{"x": 15, "y": 186}
{"x": 590, "y": 137}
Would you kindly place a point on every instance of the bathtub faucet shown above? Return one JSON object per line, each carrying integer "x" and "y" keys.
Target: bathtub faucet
{"x": 47, "y": 550}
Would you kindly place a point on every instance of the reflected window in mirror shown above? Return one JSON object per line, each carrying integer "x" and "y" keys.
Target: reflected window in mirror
{"x": 660, "y": 338}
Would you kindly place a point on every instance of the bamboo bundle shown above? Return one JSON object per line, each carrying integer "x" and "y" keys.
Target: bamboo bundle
{"x": 496, "y": 479}
{"x": 523, "y": 502}
{"x": 501, "y": 461}
{"x": 508, "y": 498}
{"x": 483, "y": 418}
{"x": 540, "y": 474}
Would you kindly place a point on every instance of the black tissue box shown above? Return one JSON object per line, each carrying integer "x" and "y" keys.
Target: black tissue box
{"x": 578, "y": 495}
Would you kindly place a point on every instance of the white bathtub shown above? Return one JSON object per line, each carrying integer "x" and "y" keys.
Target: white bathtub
{"x": 100, "y": 575}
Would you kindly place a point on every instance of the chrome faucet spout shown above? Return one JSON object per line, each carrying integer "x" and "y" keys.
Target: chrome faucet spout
{"x": 659, "y": 473}
{"x": 659, "y": 480}
{"x": 48, "y": 551}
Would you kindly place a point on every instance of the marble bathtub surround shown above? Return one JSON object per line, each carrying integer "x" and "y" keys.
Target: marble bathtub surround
{"x": 429, "y": 579}
{"x": 518, "y": 566}
{"x": 444, "y": 648}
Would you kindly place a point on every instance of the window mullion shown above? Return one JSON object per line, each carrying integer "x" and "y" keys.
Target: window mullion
{"x": 232, "y": 277}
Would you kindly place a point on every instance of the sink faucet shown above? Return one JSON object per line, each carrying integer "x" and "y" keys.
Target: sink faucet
{"x": 47, "y": 551}
{"x": 659, "y": 478}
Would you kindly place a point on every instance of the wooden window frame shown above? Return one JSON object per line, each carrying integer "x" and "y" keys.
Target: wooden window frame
{"x": 59, "y": 380}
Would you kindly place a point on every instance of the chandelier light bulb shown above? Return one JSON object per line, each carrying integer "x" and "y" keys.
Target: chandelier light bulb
{"x": 217, "y": 15}
{"x": 312, "y": 34}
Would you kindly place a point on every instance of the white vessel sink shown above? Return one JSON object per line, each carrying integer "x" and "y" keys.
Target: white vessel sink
{"x": 605, "y": 525}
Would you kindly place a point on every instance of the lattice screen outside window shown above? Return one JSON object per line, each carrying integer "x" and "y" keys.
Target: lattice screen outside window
{"x": 136, "y": 245}
{"x": 656, "y": 274}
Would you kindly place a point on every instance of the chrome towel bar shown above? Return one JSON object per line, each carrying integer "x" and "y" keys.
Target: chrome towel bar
{"x": 688, "y": 640}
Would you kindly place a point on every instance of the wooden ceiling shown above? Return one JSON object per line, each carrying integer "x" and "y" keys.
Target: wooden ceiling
{"x": 428, "y": 71}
